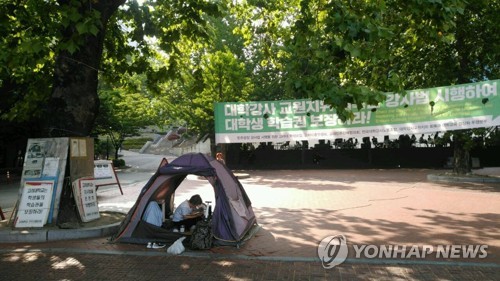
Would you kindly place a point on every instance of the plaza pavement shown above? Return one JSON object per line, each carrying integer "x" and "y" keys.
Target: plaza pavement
{"x": 295, "y": 209}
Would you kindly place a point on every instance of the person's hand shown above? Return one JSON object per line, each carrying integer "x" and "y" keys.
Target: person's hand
{"x": 196, "y": 214}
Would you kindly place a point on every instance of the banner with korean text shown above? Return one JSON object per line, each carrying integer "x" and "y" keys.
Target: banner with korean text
{"x": 35, "y": 203}
{"x": 456, "y": 107}
{"x": 84, "y": 191}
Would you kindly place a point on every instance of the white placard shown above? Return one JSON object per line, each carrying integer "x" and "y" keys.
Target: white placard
{"x": 88, "y": 196}
{"x": 50, "y": 167}
{"x": 103, "y": 169}
{"x": 104, "y": 173}
{"x": 35, "y": 204}
{"x": 84, "y": 191}
{"x": 78, "y": 148}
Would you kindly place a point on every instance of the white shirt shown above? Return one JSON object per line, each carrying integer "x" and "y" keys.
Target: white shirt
{"x": 181, "y": 211}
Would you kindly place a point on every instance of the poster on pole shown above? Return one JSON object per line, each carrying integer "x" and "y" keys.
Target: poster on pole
{"x": 35, "y": 204}
{"x": 466, "y": 106}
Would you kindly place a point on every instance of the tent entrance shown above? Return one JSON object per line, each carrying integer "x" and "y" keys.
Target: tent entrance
{"x": 190, "y": 174}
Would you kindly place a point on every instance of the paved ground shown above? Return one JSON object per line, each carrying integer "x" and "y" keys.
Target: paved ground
{"x": 296, "y": 210}
{"x": 71, "y": 266}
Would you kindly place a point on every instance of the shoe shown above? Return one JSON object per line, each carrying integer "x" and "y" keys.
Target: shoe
{"x": 158, "y": 245}
{"x": 149, "y": 245}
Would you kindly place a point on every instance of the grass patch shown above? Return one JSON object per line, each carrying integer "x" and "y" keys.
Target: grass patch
{"x": 135, "y": 143}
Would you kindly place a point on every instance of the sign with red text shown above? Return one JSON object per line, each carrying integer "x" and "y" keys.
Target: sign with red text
{"x": 84, "y": 191}
{"x": 35, "y": 204}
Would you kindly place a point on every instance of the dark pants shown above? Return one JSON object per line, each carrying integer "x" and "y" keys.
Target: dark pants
{"x": 187, "y": 223}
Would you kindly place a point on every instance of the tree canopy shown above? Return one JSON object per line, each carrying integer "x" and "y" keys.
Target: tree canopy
{"x": 189, "y": 54}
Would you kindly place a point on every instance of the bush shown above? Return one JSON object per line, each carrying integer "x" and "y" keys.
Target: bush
{"x": 118, "y": 163}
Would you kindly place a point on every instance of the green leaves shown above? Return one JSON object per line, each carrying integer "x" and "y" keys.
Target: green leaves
{"x": 25, "y": 59}
{"x": 191, "y": 53}
{"x": 122, "y": 110}
{"x": 87, "y": 27}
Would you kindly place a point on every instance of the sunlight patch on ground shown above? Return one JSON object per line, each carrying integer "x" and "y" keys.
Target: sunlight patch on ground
{"x": 23, "y": 257}
{"x": 31, "y": 257}
{"x": 296, "y": 199}
{"x": 294, "y": 239}
{"x": 125, "y": 205}
{"x": 224, "y": 263}
{"x": 233, "y": 278}
{"x": 58, "y": 263}
{"x": 290, "y": 183}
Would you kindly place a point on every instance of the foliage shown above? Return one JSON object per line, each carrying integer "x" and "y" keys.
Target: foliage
{"x": 102, "y": 147}
{"x": 134, "y": 34}
{"x": 118, "y": 163}
{"x": 26, "y": 57}
{"x": 167, "y": 62}
{"x": 339, "y": 51}
{"x": 122, "y": 113}
{"x": 207, "y": 74}
{"x": 224, "y": 79}
{"x": 451, "y": 47}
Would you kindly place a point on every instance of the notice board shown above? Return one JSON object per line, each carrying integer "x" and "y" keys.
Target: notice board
{"x": 104, "y": 174}
{"x": 44, "y": 174}
{"x": 44, "y": 169}
{"x": 35, "y": 204}
{"x": 81, "y": 162}
{"x": 84, "y": 191}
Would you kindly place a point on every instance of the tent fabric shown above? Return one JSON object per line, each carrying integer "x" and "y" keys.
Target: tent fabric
{"x": 233, "y": 215}
{"x": 145, "y": 232}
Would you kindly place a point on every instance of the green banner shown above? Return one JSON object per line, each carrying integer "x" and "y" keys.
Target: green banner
{"x": 465, "y": 106}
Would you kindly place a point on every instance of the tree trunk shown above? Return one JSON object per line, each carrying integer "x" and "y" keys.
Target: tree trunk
{"x": 461, "y": 155}
{"x": 461, "y": 151}
{"x": 117, "y": 147}
{"x": 74, "y": 103}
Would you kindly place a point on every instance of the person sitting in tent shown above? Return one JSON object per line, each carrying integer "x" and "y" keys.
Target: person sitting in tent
{"x": 188, "y": 213}
{"x": 153, "y": 214}
{"x": 220, "y": 158}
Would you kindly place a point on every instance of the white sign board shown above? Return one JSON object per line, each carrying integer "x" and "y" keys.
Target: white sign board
{"x": 104, "y": 173}
{"x": 35, "y": 204}
{"x": 85, "y": 194}
{"x": 45, "y": 160}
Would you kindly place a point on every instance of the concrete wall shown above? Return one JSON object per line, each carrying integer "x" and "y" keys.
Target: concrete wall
{"x": 201, "y": 147}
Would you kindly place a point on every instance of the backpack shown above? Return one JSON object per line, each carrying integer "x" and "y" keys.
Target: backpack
{"x": 201, "y": 238}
